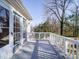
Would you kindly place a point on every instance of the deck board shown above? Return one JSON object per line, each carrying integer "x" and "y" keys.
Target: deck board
{"x": 38, "y": 50}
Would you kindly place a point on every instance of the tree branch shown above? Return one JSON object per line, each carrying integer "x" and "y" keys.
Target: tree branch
{"x": 53, "y": 12}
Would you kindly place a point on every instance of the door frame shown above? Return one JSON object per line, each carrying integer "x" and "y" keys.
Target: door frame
{"x": 18, "y": 42}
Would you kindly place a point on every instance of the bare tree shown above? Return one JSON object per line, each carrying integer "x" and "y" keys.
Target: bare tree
{"x": 76, "y": 20}
{"x": 57, "y": 9}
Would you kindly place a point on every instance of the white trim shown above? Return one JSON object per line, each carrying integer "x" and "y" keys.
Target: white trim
{"x": 17, "y": 4}
{"x": 9, "y": 7}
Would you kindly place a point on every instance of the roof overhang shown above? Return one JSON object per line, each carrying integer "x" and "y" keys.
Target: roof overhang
{"x": 17, "y": 4}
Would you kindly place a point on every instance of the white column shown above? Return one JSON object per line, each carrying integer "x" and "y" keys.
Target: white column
{"x": 21, "y": 30}
{"x": 11, "y": 21}
{"x": 28, "y": 26}
{"x": 28, "y": 30}
{"x": 11, "y": 40}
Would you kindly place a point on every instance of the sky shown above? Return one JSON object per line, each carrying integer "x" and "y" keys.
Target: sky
{"x": 35, "y": 8}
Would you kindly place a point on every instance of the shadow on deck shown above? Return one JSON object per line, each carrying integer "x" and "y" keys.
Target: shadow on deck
{"x": 38, "y": 50}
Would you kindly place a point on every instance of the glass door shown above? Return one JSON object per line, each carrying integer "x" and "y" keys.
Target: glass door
{"x": 4, "y": 27}
{"x": 16, "y": 32}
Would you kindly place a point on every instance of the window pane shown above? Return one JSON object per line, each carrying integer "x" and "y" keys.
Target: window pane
{"x": 4, "y": 26}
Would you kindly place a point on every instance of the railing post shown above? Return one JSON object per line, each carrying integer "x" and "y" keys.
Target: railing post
{"x": 65, "y": 46}
{"x": 53, "y": 37}
{"x": 39, "y": 35}
{"x": 50, "y": 37}
{"x": 55, "y": 43}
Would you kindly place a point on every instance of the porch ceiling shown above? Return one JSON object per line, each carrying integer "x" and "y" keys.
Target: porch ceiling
{"x": 17, "y": 4}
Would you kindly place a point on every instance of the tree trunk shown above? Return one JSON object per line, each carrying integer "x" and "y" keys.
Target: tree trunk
{"x": 61, "y": 27}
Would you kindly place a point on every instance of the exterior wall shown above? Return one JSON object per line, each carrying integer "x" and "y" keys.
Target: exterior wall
{"x": 7, "y": 51}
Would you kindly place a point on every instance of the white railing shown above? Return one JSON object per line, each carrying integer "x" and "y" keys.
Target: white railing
{"x": 68, "y": 46}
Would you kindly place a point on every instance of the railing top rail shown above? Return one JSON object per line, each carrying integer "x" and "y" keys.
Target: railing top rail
{"x": 40, "y": 32}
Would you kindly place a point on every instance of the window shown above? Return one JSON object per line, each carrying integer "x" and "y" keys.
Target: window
{"x": 4, "y": 26}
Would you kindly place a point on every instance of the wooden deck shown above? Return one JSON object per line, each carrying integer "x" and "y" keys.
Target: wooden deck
{"x": 38, "y": 50}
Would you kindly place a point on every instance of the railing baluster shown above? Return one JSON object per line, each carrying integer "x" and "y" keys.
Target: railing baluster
{"x": 68, "y": 49}
{"x": 64, "y": 46}
{"x": 76, "y": 51}
{"x": 72, "y": 50}
{"x": 44, "y": 36}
